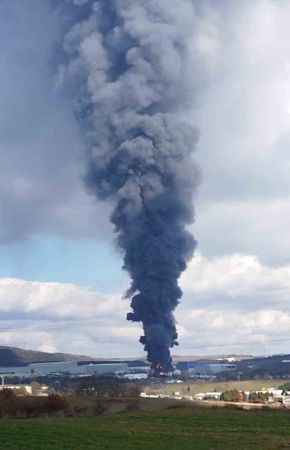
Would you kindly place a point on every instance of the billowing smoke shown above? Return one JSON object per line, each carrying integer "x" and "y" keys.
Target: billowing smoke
{"x": 127, "y": 63}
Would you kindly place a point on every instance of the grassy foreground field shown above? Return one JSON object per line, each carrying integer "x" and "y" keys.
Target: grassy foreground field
{"x": 173, "y": 429}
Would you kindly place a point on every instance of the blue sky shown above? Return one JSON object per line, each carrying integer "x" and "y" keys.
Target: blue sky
{"x": 52, "y": 259}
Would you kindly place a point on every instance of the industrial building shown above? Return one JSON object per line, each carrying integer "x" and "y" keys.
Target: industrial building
{"x": 204, "y": 368}
{"x": 71, "y": 368}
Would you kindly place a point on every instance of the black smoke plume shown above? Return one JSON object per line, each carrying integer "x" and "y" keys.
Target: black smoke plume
{"x": 127, "y": 61}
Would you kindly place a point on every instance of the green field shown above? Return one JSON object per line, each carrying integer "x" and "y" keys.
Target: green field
{"x": 173, "y": 429}
{"x": 191, "y": 388}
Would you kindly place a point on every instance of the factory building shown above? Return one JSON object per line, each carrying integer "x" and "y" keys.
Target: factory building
{"x": 204, "y": 368}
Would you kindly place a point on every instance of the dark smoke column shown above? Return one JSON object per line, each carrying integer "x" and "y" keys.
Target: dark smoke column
{"x": 127, "y": 62}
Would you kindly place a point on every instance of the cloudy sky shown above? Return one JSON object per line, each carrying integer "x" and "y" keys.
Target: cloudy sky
{"x": 61, "y": 281}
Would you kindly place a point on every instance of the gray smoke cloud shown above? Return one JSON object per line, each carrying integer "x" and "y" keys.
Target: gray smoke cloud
{"x": 127, "y": 65}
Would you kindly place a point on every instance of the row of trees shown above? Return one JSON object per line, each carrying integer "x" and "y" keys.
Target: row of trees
{"x": 12, "y": 405}
{"x": 89, "y": 397}
{"x": 239, "y": 396}
{"x": 108, "y": 387}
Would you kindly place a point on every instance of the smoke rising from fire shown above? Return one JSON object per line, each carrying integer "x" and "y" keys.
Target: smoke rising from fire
{"x": 127, "y": 63}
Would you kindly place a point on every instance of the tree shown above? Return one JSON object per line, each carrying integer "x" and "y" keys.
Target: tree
{"x": 259, "y": 397}
{"x": 285, "y": 387}
{"x": 233, "y": 396}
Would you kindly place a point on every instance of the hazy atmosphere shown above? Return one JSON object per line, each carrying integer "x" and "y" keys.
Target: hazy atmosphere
{"x": 61, "y": 278}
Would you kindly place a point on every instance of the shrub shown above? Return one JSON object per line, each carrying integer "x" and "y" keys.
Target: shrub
{"x": 8, "y": 402}
{"x": 285, "y": 387}
{"x": 56, "y": 402}
{"x": 133, "y": 406}
{"x": 7, "y": 395}
{"x": 259, "y": 397}
{"x": 233, "y": 396}
{"x": 99, "y": 408}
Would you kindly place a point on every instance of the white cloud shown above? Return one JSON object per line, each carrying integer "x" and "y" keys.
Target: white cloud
{"x": 235, "y": 276}
{"x": 41, "y": 150}
{"x": 243, "y": 113}
{"x": 231, "y": 304}
{"x": 61, "y": 301}
{"x": 241, "y": 72}
{"x": 258, "y": 227}
{"x": 64, "y": 317}
{"x": 235, "y": 303}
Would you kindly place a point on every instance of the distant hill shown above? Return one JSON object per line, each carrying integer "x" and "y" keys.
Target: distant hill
{"x": 277, "y": 366}
{"x": 216, "y": 357}
{"x": 12, "y": 356}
